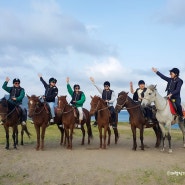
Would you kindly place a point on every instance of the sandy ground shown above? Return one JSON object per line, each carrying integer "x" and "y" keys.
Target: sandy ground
{"x": 89, "y": 165}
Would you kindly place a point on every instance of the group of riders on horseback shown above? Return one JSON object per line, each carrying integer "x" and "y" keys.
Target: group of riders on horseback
{"x": 17, "y": 93}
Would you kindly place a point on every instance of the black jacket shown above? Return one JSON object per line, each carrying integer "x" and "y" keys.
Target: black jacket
{"x": 136, "y": 97}
{"x": 173, "y": 85}
{"x": 50, "y": 92}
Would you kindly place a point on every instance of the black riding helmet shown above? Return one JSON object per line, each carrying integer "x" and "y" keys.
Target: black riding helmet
{"x": 175, "y": 71}
{"x": 76, "y": 85}
{"x": 141, "y": 82}
{"x": 52, "y": 80}
{"x": 107, "y": 83}
{"x": 16, "y": 80}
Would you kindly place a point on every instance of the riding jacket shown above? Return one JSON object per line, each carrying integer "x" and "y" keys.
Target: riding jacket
{"x": 79, "y": 98}
{"x": 50, "y": 92}
{"x": 137, "y": 94}
{"x": 173, "y": 85}
{"x": 17, "y": 92}
{"x": 107, "y": 95}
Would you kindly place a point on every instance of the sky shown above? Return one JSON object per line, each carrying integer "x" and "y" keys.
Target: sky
{"x": 117, "y": 41}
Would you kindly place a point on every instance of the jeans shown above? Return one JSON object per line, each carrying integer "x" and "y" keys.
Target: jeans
{"x": 178, "y": 106}
{"x": 52, "y": 108}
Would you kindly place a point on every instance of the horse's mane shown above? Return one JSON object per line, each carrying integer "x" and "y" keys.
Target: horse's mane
{"x": 98, "y": 97}
{"x": 152, "y": 87}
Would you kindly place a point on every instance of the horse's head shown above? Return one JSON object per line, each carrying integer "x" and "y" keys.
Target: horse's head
{"x": 33, "y": 103}
{"x": 96, "y": 104}
{"x": 3, "y": 109}
{"x": 149, "y": 95}
{"x": 62, "y": 102}
{"x": 121, "y": 100}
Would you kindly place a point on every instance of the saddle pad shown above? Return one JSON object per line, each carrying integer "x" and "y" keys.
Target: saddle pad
{"x": 172, "y": 109}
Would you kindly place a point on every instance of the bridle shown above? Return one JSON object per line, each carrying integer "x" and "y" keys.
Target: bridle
{"x": 35, "y": 108}
{"x": 96, "y": 109}
{"x": 62, "y": 110}
{"x": 123, "y": 104}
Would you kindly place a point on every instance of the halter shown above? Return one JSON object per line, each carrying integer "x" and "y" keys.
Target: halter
{"x": 122, "y": 105}
{"x": 96, "y": 109}
{"x": 36, "y": 113}
{"x": 62, "y": 110}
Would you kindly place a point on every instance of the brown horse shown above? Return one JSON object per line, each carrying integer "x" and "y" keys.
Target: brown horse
{"x": 99, "y": 106}
{"x": 137, "y": 118}
{"x": 40, "y": 114}
{"x": 10, "y": 115}
{"x": 69, "y": 119}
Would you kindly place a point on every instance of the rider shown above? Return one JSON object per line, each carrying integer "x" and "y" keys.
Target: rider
{"x": 78, "y": 99}
{"x": 17, "y": 94}
{"x": 138, "y": 94}
{"x": 174, "y": 84}
{"x": 109, "y": 96}
{"x": 51, "y": 91}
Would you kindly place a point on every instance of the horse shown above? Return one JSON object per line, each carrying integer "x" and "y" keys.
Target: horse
{"x": 99, "y": 106}
{"x": 137, "y": 118}
{"x": 163, "y": 115}
{"x": 69, "y": 119}
{"x": 40, "y": 114}
{"x": 10, "y": 115}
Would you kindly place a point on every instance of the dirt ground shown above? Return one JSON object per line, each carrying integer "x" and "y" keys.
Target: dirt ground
{"x": 89, "y": 165}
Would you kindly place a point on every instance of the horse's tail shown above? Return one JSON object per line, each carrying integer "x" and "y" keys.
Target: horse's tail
{"x": 24, "y": 128}
{"x": 90, "y": 134}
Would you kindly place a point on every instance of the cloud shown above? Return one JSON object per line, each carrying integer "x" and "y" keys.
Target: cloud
{"x": 173, "y": 12}
{"x": 46, "y": 28}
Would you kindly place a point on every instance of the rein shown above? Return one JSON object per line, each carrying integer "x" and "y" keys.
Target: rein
{"x": 35, "y": 108}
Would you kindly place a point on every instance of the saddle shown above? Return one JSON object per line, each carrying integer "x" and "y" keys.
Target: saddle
{"x": 76, "y": 114}
{"x": 173, "y": 107}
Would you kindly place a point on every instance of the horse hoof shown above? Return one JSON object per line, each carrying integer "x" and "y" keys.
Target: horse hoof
{"x": 162, "y": 150}
{"x": 7, "y": 148}
{"x": 170, "y": 151}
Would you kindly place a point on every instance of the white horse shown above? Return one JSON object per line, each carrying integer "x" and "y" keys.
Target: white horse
{"x": 163, "y": 114}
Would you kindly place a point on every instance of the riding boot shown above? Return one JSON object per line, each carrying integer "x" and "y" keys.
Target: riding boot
{"x": 79, "y": 124}
{"x": 113, "y": 125}
{"x": 149, "y": 120}
{"x": 181, "y": 118}
{"x": 1, "y": 123}
{"x": 95, "y": 123}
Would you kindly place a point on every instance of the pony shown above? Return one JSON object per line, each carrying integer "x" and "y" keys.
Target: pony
{"x": 40, "y": 114}
{"x": 99, "y": 106}
{"x": 163, "y": 115}
{"x": 69, "y": 119}
{"x": 10, "y": 115}
{"x": 137, "y": 118}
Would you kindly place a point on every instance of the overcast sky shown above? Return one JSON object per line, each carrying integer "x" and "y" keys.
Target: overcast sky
{"x": 119, "y": 41}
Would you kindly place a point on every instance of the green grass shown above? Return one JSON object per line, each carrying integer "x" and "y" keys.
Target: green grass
{"x": 53, "y": 133}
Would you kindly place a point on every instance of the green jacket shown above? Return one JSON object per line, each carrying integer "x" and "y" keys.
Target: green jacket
{"x": 80, "y": 102}
{"x": 9, "y": 90}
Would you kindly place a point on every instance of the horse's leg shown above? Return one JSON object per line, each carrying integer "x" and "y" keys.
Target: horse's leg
{"x": 141, "y": 137}
{"x": 109, "y": 135}
{"x": 89, "y": 130}
{"x": 71, "y": 137}
{"x": 42, "y": 136}
{"x": 157, "y": 131}
{"x": 22, "y": 134}
{"x": 163, "y": 135}
{"x": 116, "y": 134}
{"x": 7, "y": 137}
{"x": 37, "y": 128}
{"x": 100, "y": 135}
{"x": 83, "y": 134}
{"x": 15, "y": 136}
{"x": 62, "y": 134}
{"x": 67, "y": 137}
{"x": 105, "y": 137}
{"x": 134, "y": 137}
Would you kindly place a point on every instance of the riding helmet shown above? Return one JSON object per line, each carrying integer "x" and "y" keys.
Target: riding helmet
{"x": 175, "y": 71}
{"x": 141, "y": 82}
{"x": 52, "y": 80}
{"x": 107, "y": 83}
{"x": 76, "y": 85}
{"x": 16, "y": 80}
